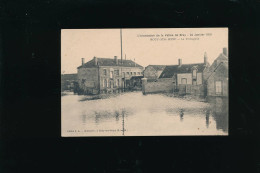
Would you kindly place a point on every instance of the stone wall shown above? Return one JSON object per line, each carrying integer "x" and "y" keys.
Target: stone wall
{"x": 161, "y": 86}
{"x": 188, "y": 76}
{"x": 88, "y": 79}
{"x": 221, "y": 74}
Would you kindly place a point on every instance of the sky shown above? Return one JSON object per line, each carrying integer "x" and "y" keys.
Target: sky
{"x": 145, "y": 46}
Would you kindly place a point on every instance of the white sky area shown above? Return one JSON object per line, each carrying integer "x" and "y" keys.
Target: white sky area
{"x": 105, "y": 43}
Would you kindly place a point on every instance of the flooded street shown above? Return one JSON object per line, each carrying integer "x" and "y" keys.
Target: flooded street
{"x": 135, "y": 114}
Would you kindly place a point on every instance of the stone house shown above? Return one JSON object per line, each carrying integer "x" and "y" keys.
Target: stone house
{"x": 187, "y": 78}
{"x": 152, "y": 72}
{"x": 101, "y": 75}
{"x": 217, "y": 76}
{"x": 181, "y": 79}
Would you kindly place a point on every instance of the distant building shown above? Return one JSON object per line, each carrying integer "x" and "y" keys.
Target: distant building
{"x": 105, "y": 74}
{"x": 68, "y": 81}
{"x": 181, "y": 79}
{"x": 217, "y": 77}
{"x": 187, "y": 74}
{"x": 152, "y": 72}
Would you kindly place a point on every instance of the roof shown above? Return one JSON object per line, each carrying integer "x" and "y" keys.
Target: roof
{"x": 169, "y": 71}
{"x": 222, "y": 57}
{"x": 109, "y": 62}
{"x": 221, "y": 64}
{"x": 157, "y": 67}
{"x": 69, "y": 77}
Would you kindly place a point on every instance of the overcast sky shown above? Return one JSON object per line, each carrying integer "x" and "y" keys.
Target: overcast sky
{"x": 105, "y": 43}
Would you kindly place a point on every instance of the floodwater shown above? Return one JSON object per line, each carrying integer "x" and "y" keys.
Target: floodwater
{"x": 135, "y": 114}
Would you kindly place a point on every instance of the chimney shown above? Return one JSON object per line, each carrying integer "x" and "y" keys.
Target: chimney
{"x": 83, "y": 60}
{"x": 205, "y": 58}
{"x": 225, "y": 51}
{"x": 95, "y": 60}
{"x": 116, "y": 60}
{"x": 180, "y": 62}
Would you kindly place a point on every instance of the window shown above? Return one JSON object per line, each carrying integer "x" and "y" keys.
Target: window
{"x": 218, "y": 87}
{"x": 131, "y": 73}
{"x": 134, "y": 73}
{"x": 111, "y": 74}
{"x": 111, "y": 84}
{"x": 118, "y": 83}
{"x": 116, "y": 72}
{"x": 194, "y": 82}
{"x": 104, "y": 83}
{"x": 107, "y": 83}
{"x": 105, "y": 71}
{"x": 183, "y": 81}
{"x": 128, "y": 73}
{"x": 194, "y": 73}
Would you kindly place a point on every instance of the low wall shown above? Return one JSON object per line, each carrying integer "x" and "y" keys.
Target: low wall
{"x": 157, "y": 87}
{"x": 197, "y": 90}
{"x": 167, "y": 86}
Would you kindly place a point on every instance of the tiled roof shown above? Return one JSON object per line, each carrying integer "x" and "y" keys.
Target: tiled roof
{"x": 157, "y": 67}
{"x": 169, "y": 71}
{"x": 109, "y": 62}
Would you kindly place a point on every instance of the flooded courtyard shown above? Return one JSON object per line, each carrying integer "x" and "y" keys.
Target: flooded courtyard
{"x": 135, "y": 114}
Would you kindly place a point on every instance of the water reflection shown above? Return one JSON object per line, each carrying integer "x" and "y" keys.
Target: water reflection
{"x": 207, "y": 117}
{"x": 181, "y": 114}
{"x": 219, "y": 108}
{"x": 134, "y": 114}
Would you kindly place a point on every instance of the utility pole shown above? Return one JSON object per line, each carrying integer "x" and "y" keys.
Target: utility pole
{"x": 123, "y": 78}
{"x": 121, "y": 47}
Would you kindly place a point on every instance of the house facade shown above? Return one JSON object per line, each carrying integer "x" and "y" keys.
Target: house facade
{"x": 217, "y": 76}
{"x": 180, "y": 79}
{"x": 101, "y": 75}
{"x": 153, "y": 72}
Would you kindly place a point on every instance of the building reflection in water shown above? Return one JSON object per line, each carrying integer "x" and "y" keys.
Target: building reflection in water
{"x": 84, "y": 118}
{"x": 207, "y": 118}
{"x": 123, "y": 122}
{"x": 219, "y": 107}
{"x": 101, "y": 116}
{"x": 181, "y": 114}
{"x": 117, "y": 115}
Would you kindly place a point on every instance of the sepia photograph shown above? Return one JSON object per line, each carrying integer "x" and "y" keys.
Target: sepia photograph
{"x": 144, "y": 82}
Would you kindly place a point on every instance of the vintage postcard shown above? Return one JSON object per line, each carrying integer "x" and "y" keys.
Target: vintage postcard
{"x": 144, "y": 82}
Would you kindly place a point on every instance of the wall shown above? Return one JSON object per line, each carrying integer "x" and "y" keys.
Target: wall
{"x": 163, "y": 85}
{"x": 184, "y": 75}
{"x": 221, "y": 74}
{"x": 196, "y": 90}
{"x": 150, "y": 73}
{"x": 199, "y": 78}
{"x": 108, "y": 79}
{"x": 188, "y": 76}
{"x": 90, "y": 75}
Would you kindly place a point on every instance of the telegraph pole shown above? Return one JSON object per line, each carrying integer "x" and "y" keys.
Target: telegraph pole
{"x": 121, "y": 46}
